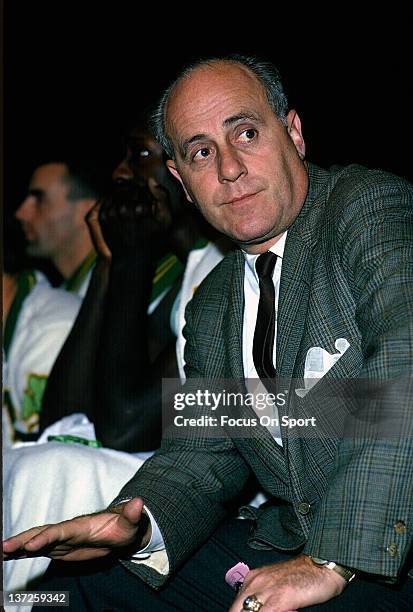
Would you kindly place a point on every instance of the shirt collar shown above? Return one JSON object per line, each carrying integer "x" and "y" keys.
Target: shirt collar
{"x": 277, "y": 249}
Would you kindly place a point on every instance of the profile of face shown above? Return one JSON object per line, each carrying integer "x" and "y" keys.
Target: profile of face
{"x": 50, "y": 221}
{"x": 240, "y": 165}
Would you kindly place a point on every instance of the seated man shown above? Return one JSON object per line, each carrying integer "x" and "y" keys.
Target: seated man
{"x": 327, "y": 255}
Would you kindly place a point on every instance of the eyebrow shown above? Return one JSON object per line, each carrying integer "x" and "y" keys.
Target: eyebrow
{"x": 242, "y": 116}
{"x": 135, "y": 140}
{"x": 37, "y": 193}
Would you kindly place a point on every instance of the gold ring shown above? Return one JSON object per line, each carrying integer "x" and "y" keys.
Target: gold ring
{"x": 252, "y": 603}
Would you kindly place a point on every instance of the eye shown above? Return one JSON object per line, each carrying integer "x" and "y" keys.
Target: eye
{"x": 39, "y": 202}
{"x": 137, "y": 154}
{"x": 202, "y": 153}
{"x": 247, "y": 135}
{"x": 38, "y": 196}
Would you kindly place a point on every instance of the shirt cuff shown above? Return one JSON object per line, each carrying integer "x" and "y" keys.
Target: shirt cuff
{"x": 156, "y": 543}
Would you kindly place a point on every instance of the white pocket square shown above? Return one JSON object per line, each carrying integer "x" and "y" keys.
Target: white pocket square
{"x": 318, "y": 362}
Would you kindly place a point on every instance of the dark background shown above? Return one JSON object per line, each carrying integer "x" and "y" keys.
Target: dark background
{"x": 75, "y": 74}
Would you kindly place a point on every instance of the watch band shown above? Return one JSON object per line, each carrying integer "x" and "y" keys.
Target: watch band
{"x": 344, "y": 572}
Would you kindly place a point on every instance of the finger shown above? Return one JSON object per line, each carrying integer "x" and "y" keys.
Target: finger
{"x": 96, "y": 231}
{"x": 51, "y": 536}
{"x": 238, "y": 603}
{"x": 155, "y": 188}
{"x": 19, "y": 541}
{"x": 80, "y": 554}
{"x": 93, "y": 213}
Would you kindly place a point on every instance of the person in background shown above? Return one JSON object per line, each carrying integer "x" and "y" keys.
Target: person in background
{"x": 197, "y": 244}
{"x": 37, "y": 320}
{"x": 52, "y": 216}
{"x": 68, "y": 456}
{"x": 140, "y": 298}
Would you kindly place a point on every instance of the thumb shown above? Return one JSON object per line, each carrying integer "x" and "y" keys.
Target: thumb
{"x": 132, "y": 510}
{"x": 137, "y": 520}
{"x": 155, "y": 188}
{"x": 95, "y": 229}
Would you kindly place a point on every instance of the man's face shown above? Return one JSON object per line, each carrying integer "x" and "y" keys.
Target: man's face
{"x": 236, "y": 160}
{"x": 144, "y": 165}
{"x": 49, "y": 220}
{"x": 143, "y": 160}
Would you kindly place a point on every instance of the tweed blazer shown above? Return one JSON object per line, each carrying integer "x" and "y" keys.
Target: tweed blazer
{"x": 347, "y": 273}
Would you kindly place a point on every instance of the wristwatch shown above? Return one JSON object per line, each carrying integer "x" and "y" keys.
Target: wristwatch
{"x": 344, "y": 572}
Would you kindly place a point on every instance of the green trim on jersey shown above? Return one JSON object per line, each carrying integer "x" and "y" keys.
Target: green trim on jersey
{"x": 200, "y": 243}
{"x": 67, "y": 438}
{"x": 168, "y": 270}
{"x": 25, "y": 282}
{"x": 33, "y": 395}
{"x": 75, "y": 281}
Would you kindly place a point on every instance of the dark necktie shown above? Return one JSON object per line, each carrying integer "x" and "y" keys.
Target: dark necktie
{"x": 263, "y": 345}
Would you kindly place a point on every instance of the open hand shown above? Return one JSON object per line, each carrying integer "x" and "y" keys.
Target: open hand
{"x": 121, "y": 528}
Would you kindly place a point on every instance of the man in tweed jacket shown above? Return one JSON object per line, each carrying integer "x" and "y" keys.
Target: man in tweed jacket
{"x": 346, "y": 286}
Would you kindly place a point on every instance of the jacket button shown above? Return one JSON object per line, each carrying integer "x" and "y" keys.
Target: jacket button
{"x": 304, "y": 507}
{"x": 392, "y": 550}
{"x": 400, "y": 527}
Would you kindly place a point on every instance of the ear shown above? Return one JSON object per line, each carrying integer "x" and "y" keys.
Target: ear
{"x": 295, "y": 133}
{"x": 172, "y": 169}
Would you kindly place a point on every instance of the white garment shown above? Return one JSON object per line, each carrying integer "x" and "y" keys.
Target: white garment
{"x": 98, "y": 474}
{"x": 199, "y": 264}
{"x": 48, "y": 482}
{"x": 45, "y": 319}
{"x": 80, "y": 479}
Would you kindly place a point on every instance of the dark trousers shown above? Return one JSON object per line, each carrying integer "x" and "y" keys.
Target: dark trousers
{"x": 105, "y": 585}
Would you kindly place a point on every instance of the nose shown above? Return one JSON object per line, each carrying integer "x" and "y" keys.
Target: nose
{"x": 122, "y": 173}
{"x": 23, "y": 213}
{"x": 230, "y": 165}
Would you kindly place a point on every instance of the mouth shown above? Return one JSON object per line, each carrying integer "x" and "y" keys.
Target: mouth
{"x": 243, "y": 199}
{"x": 29, "y": 234}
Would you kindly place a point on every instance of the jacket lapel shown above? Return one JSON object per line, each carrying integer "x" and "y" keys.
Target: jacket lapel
{"x": 233, "y": 320}
{"x": 292, "y": 303}
{"x": 296, "y": 274}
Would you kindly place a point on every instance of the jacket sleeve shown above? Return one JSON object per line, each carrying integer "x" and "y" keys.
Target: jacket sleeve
{"x": 365, "y": 519}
